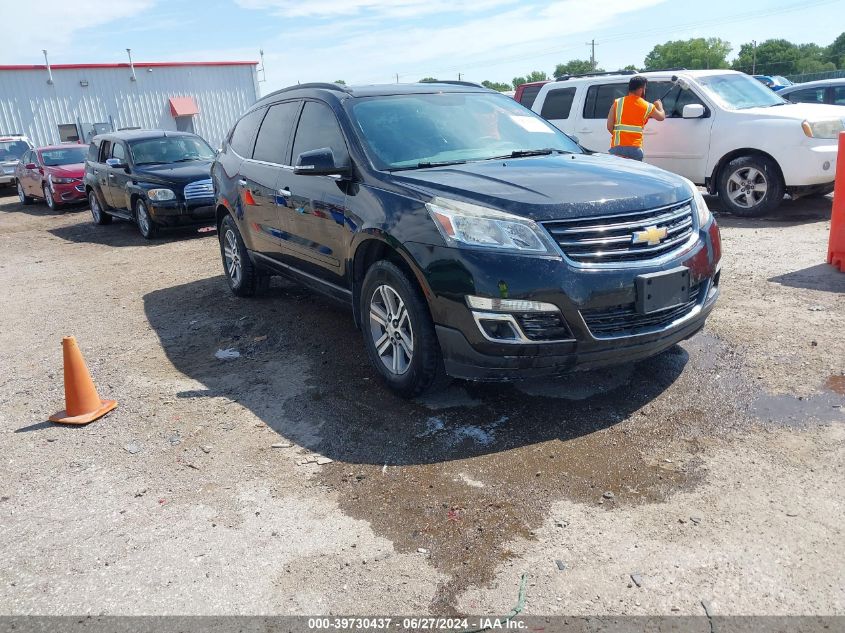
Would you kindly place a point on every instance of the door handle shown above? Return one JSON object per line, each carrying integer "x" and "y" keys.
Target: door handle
{"x": 242, "y": 182}
{"x": 585, "y": 131}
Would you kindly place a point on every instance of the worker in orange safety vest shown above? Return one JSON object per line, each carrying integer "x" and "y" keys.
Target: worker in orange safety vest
{"x": 628, "y": 116}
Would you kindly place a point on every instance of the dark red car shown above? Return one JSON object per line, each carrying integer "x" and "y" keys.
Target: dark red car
{"x": 53, "y": 174}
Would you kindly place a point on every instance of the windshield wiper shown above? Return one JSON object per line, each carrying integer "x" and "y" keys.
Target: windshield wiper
{"x": 427, "y": 164}
{"x": 521, "y": 153}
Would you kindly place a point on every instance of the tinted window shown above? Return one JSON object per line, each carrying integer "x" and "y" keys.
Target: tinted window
{"x": 318, "y": 128}
{"x": 105, "y": 150}
{"x": 272, "y": 142}
{"x": 243, "y": 136}
{"x": 118, "y": 152}
{"x": 674, "y": 99}
{"x": 558, "y": 103}
{"x": 839, "y": 95}
{"x": 601, "y": 97}
{"x": 810, "y": 95}
{"x": 170, "y": 149}
{"x": 70, "y": 155}
{"x": 93, "y": 152}
{"x": 529, "y": 95}
{"x": 12, "y": 150}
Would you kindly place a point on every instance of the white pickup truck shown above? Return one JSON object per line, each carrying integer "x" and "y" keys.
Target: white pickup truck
{"x": 723, "y": 130}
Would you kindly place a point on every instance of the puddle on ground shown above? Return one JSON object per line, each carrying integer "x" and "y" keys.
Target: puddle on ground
{"x": 827, "y": 406}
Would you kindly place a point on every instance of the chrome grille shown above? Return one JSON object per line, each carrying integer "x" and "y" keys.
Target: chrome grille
{"x": 199, "y": 189}
{"x": 610, "y": 239}
{"x": 624, "y": 320}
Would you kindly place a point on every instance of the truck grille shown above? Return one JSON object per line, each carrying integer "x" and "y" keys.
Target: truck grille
{"x": 199, "y": 189}
{"x": 624, "y": 320}
{"x": 610, "y": 239}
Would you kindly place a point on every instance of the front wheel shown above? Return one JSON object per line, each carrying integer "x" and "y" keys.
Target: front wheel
{"x": 145, "y": 223}
{"x": 48, "y": 198}
{"x": 25, "y": 199}
{"x": 398, "y": 331}
{"x": 751, "y": 186}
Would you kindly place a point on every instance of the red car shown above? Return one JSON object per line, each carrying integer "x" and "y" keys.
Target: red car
{"x": 526, "y": 93}
{"x": 53, "y": 174}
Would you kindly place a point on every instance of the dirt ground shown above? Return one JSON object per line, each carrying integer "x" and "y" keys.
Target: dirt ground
{"x": 710, "y": 473}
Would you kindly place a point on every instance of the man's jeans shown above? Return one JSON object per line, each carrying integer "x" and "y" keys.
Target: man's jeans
{"x": 627, "y": 151}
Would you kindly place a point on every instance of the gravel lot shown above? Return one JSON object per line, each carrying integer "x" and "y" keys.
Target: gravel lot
{"x": 713, "y": 472}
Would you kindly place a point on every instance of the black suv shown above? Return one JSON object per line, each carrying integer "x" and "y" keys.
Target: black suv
{"x": 151, "y": 177}
{"x": 467, "y": 234}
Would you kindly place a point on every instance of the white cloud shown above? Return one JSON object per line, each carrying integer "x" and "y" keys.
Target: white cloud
{"x": 55, "y": 24}
{"x": 372, "y": 8}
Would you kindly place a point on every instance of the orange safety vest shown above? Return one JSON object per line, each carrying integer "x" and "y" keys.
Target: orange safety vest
{"x": 631, "y": 116}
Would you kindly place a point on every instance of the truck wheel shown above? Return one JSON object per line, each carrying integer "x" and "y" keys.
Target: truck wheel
{"x": 241, "y": 275}
{"x": 398, "y": 331}
{"x": 751, "y": 186}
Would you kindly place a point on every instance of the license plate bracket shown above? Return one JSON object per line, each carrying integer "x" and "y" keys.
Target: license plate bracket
{"x": 662, "y": 290}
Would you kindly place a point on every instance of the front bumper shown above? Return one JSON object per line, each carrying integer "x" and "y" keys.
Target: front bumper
{"x": 174, "y": 213}
{"x": 814, "y": 165}
{"x": 69, "y": 193}
{"x": 7, "y": 179}
{"x": 452, "y": 274}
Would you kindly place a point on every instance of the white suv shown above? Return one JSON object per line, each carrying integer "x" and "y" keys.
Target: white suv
{"x": 723, "y": 130}
{"x": 12, "y": 147}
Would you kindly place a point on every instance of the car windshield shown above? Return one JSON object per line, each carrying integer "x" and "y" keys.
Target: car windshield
{"x": 783, "y": 81}
{"x": 12, "y": 150}
{"x": 64, "y": 156}
{"x": 170, "y": 149}
{"x": 739, "y": 92}
{"x": 426, "y": 130}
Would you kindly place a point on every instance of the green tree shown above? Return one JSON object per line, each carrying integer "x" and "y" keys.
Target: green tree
{"x": 630, "y": 67}
{"x": 429, "y": 80}
{"x": 496, "y": 85}
{"x": 835, "y": 53}
{"x": 534, "y": 75}
{"x": 575, "y": 67}
{"x": 340, "y": 81}
{"x": 773, "y": 57}
{"x": 695, "y": 53}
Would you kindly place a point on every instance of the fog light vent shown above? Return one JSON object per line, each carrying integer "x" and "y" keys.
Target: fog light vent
{"x": 543, "y": 326}
{"x": 499, "y": 330}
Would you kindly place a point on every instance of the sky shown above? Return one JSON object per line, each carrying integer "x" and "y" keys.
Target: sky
{"x": 371, "y": 41}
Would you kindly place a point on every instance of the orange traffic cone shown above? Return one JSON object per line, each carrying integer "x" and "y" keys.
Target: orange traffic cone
{"x": 836, "y": 245}
{"x": 81, "y": 399}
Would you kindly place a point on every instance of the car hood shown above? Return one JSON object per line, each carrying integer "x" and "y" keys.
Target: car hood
{"x": 798, "y": 111}
{"x": 553, "y": 187}
{"x": 67, "y": 171}
{"x": 175, "y": 173}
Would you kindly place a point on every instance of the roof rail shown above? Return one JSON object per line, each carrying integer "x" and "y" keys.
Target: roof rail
{"x": 662, "y": 70}
{"x": 323, "y": 85}
{"x": 458, "y": 83}
{"x": 601, "y": 74}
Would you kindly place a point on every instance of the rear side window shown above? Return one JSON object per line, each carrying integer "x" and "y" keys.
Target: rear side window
{"x": 318, "y": 128}
{"x": 839, "y": 95}
{"x": 529, "y": 95}
{"x": 810, "y": 95}
{"x": 601, "y": 97}
{"x": 93, "y": 152}
{"x": 242, "y": 138}
{"x": 558, "y": 103}
{"x": 273, "y": 136}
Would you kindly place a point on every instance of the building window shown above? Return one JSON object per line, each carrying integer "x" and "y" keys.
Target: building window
{"x": 68, "y": 133}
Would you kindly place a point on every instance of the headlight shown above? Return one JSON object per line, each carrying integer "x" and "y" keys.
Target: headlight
{"x": 61, "y": 181}
{"x": 161, "y": 194}
{"x": 823, "y": 129}
{"x": 471, "y": 226}
{"x": 701, "y": 208}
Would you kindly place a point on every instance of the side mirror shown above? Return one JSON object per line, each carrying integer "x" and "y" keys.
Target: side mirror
{"x": 31, "y": 166}
{"x": 693, "y": 111}
{"x": 318, "y": 162}
{"x": 115, "y": 163}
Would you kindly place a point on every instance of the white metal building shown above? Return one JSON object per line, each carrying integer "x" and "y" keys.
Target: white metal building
{"x": 69, "y": 102}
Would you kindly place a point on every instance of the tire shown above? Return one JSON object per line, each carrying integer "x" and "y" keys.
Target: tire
{"x": 48, "y": 198}
{"x": 241, "y": 274}
{"x": 388, "y": 292}
{"x": 99, "y": 216}
{"x": 148, "y": 228}
{"x": 751, "y": 186}
{"x": 24, "y": 199}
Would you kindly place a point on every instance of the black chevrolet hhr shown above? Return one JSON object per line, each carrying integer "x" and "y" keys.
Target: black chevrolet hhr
{"x": 469, "y": 236}
{"x": 155, "y": 178}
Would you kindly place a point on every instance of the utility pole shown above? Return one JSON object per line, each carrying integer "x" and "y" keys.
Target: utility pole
{"x": 397, "y": 77}
{"x": 754, "y": 62}
{"x": 459, "y": 76}
{"x": 592, "y": 45}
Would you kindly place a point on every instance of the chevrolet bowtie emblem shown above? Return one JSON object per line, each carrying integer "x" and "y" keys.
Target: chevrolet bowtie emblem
{"x": 651, "y": 235}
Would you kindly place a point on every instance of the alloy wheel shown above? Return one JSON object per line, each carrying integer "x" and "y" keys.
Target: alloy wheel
{"x": 48, "y": 198}
{"x": 232, "y": 258}
{"x": 142, "y": 217}
{"x": 391, "y": 329}
{"x": 21, "y": 194}
{"x": 747, "y": 187}
{"x": 95, "y": 208}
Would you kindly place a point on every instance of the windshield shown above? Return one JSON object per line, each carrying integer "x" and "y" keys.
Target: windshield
{"x": 738, "y": 92}
{"x": 170, "y": 149}
{"x": 12, "y": 150}
{"x": 64, "y": 156}
{"x": 421, "y": 130}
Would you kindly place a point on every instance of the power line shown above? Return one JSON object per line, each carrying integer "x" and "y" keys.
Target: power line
{"x": 634, "y": 35}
